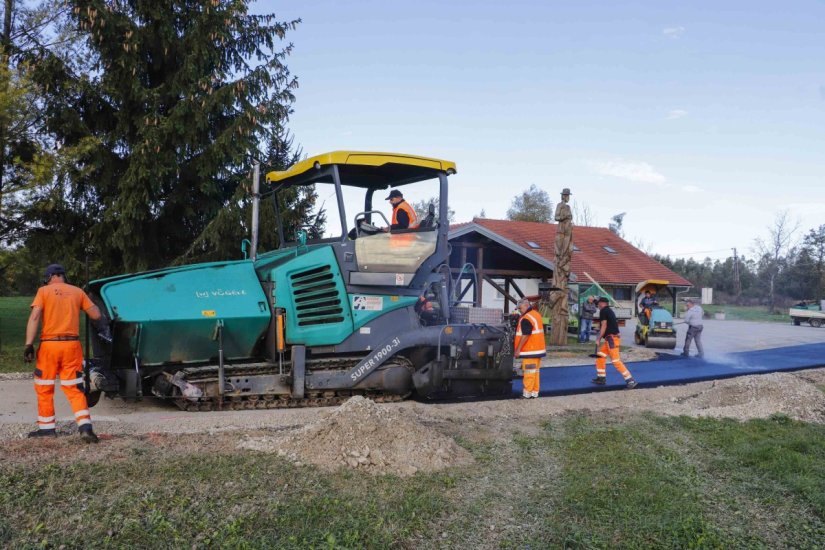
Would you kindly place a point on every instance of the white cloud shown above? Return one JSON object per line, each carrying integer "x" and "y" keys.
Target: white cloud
{"x": 639, "y": 172}
{"x": 691, "y": 189}
{"x": 673, "y": 32}
{"x": 677, "y": 113}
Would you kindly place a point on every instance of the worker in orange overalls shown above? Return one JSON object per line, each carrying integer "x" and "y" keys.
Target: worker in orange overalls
{"x": 403, "y": 215}
{"x": 530, "y": 347}
{"x": 58, "y": 304}
{"x": 609, "y": 334}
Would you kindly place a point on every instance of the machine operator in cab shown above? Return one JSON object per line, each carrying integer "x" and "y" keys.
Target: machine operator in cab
{"x": 403, "y": 215}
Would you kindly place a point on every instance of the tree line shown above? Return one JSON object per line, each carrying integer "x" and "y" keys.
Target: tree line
{"x": 773, "y": 275}
{"x": 128, "y": 132}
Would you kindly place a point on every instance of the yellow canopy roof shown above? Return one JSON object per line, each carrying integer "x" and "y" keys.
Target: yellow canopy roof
{"x": 652, "y": 284}
{"x": 367, "y": 169}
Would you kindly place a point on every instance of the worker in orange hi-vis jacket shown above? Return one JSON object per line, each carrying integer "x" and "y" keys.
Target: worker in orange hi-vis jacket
{"x": 608, "y": 345}
{"x": 58, "y": 304}
{"x": 530, "y": 347}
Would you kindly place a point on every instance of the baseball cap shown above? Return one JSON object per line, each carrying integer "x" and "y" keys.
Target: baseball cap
{"x": 54, "y": 269}
{"x": 394, "y": 193}
{"x": 603, "y": 300}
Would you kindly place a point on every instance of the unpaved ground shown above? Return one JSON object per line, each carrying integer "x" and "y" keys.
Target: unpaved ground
{"x": 349, "y": 435}
{"x": 362, "y": 435}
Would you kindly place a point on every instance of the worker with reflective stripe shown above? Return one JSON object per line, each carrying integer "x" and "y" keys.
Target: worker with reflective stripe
{"x": 530, "y": 347}
{"x": 403, "y": 215}
{"x": 609, "y": 334}
{"x": 58, "y": 304}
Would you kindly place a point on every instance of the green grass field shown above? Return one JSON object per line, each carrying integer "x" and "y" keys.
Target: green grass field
{"x": 14, "y": 312}
{"x": 576, "y": 481}
{"x": 749, "y": 313}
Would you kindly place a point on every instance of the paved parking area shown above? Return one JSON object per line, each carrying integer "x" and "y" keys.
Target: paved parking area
{"x": 733, "y": 336}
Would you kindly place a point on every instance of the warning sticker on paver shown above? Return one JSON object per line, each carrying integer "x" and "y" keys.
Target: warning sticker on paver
{"x": 399, "y": 279}
{"x": 367, "y": 303}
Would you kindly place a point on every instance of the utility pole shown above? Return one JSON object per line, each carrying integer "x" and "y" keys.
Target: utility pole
{"x": 256, "y": 202}
{"x": 737, "y": 286}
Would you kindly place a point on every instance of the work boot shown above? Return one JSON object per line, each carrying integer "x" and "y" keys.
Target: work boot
{"x": 631, "y": 383}
{"x": 87, "y": 435}
{"x": 600, "y": 380}
{"x": 42, "y": 433}
{"x": 685, "y": 354}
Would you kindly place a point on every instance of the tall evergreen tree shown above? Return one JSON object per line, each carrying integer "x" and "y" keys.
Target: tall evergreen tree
{"x": 179, "y": 98}
{"x": 222, "y": 236}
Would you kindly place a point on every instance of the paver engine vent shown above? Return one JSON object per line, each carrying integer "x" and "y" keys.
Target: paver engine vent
{"x": 317, "y": 298}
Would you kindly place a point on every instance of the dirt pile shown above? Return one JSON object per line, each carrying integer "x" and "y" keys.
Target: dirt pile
{"x": 367, "y": 437}
{"x": 758, "y": 397}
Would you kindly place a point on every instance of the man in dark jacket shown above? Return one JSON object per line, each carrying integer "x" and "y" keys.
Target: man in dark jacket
{"x": 587, "y": 311}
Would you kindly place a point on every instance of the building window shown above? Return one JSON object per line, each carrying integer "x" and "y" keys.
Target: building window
{"x": 576, "y": 248}
{"x": 610, "y": 250}
{"x": 620, "y": 293}
{"x": 533, "y": 245}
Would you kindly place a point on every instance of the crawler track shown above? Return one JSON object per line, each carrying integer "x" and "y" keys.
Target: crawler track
{"x": 235, "y": 401}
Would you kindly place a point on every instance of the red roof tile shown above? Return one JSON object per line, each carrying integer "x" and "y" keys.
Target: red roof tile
{"x": 628, "y": 266}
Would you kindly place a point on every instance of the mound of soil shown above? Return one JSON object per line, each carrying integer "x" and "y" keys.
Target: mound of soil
{"x": 759, "y": 397}
{"x": 367, "y": 437}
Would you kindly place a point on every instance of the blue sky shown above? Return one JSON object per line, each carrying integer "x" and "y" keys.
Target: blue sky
{"x": 701, "y": 120}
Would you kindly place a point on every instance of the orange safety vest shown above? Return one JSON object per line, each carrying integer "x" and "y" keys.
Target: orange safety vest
{"x": 403, "y": 205}
{"x": 535, "y": 345}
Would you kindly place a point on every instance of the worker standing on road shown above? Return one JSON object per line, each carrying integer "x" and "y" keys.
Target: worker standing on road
{"x": 58, "y": 304}
{"x": 693, "y": 320}
{"x": 609, "y": 334}
{"x": 403, "y": 215}
{"x": 530, "y": 347}
{"x": 588, "y": 310}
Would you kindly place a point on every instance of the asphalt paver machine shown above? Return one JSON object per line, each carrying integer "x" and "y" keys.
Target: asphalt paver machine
{"x": 313, "y": 322}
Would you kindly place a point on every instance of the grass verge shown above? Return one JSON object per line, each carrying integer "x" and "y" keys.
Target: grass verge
{"x": 749, "y": 313}
{"x": 578, "y": 481}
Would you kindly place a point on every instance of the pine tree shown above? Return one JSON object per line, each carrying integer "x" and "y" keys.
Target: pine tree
{"x": 179, "y": 97}
{"x": 532, "y": 205}
{"x": 221, "y": 238}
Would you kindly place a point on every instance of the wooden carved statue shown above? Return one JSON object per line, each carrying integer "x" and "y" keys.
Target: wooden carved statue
{"x": 564, "y": 259}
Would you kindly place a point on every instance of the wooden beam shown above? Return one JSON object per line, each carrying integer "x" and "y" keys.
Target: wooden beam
{"x": 518, "y": 290}
{"x": 463, "y": 244}
{"x": 502, "y": 273}
{"x": 465, "y": 289}
{"x": 479, "y": 282}
{"x": 496, "y": 286}
{"x": 506, "y": 293}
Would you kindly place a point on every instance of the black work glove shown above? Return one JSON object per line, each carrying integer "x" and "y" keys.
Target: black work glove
{"x": 28, "y": 355}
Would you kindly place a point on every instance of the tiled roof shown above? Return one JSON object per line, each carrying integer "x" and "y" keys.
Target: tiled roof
{"x": 628, "y": 265}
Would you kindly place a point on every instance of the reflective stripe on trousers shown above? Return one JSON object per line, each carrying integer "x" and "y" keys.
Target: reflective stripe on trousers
{"x": 63, "y": 360}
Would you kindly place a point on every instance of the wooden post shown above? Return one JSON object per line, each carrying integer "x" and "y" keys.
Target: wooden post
{"x": 480, "y": 278}
{"x": 506, "y": 293}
